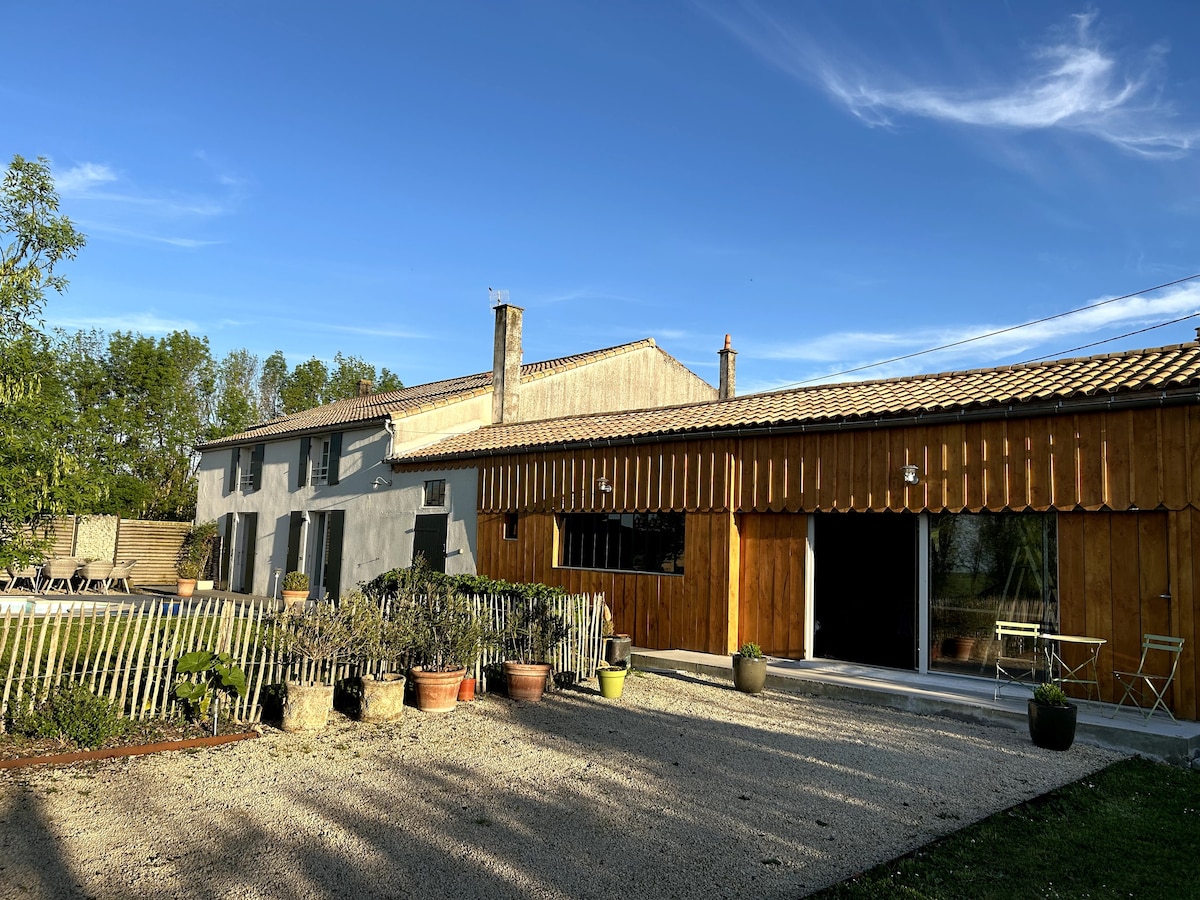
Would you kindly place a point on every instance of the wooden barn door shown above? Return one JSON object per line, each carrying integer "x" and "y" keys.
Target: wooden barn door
{"x": 771, "y": 582}
{"x": 1114, "y": 583}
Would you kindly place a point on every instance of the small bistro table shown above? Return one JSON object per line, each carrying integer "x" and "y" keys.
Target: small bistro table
{"x": 1085, "y": 672}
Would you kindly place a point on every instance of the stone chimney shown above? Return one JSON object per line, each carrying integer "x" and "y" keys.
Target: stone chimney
{"x": 364, "y": 387}
{"x": 506, "y": 364}
{"x": 728, "y": 364}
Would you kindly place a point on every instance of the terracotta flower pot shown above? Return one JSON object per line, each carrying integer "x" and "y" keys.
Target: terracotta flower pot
{"x": 294, "y": 598}
{"x": 307, "y": 707}
{"x": 184, "y": 587}
{"x": 526, "y": 681}
{"x": 382, "y": 698}
{"x": 466, "y": 690}
{"x": 437, "y": 691}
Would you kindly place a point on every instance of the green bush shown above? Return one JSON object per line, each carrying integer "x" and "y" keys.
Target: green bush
{"x": 750, "y": 650}
{"x": 1049, "y": 695}
{"x": 74, "y": 714}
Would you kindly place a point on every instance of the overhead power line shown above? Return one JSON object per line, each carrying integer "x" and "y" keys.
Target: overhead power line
{"x": 1011, "y": 328}
{"x": 1111, "y": 339}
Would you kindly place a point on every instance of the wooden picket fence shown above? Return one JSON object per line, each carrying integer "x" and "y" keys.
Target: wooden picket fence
{"x": 126, "y": 654}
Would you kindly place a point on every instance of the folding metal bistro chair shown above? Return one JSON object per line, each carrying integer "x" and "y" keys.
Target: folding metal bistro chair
{"x": 1141, "y": 685}
{"x": 1017, "y": 659}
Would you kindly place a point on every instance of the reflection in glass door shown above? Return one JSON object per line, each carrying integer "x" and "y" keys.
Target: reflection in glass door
{"x": 984, "y": 567}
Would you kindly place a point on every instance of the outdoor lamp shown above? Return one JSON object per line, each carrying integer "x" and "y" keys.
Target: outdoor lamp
{"x": 910, "y": 474}
{"x": 604, "y": 485}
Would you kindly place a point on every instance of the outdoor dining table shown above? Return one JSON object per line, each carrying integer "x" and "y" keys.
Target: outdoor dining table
{"x": 1084, "y": 672}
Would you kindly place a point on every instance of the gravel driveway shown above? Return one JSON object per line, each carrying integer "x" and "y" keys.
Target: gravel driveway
{"x": 683, "y": 788}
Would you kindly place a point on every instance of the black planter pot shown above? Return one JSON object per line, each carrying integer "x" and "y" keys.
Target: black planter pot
{"x": 1052, "y": 727}
{"x": 749, "y": 674}
{"x": 617, "y": 648}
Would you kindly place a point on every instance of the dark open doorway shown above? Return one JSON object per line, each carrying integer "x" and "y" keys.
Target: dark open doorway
{"x": 865, "y": 582}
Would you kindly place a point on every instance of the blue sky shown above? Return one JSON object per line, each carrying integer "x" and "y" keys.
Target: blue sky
{"x": 833, "y": 183}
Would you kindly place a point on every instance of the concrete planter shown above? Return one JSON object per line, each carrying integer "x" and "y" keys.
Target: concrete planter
{"x": 307, "y": 707}
{"x": 749, "y": 673}
{"x": 382, "y": 698}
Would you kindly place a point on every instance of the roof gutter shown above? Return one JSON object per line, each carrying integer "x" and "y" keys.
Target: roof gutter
{"x": 1111, "y": 403}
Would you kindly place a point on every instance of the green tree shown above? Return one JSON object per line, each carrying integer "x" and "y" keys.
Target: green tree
{"x": 349, "y": 370}
{"x": 270, "y": 384}
{"x": 36, "y": 466}
{"x": 305, "y": 386}
{"x": 33, "y": 240}
{"x": 236, "y": 404}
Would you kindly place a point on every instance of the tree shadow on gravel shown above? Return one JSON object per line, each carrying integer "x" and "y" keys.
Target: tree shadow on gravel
{"x": 696, "y": 792}
{"x": 31, "y": 857}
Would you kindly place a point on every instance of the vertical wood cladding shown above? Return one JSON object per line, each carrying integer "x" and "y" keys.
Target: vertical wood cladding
{"x": 1114, "y": 460}
{"x": 689, "y": 611}
{"x": 771, "y": 583}
{"x": 1122, "y": 575}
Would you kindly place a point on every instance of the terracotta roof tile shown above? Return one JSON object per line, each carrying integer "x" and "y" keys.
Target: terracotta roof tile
{"x": 1067, "y": 379}
{"x": 409, "y": 400}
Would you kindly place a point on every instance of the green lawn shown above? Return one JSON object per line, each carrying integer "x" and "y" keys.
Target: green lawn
{"x": 1132, "y": 830}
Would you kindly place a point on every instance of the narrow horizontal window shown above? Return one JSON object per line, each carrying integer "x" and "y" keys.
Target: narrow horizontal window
{"x": 629, "y": 542}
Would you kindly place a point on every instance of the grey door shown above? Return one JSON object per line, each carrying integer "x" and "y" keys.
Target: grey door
{"x": 429, "y": 540}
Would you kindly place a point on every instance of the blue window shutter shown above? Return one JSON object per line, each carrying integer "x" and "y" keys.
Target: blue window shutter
{"x": 295, "y": 524}
{"x": 333, "y": 559}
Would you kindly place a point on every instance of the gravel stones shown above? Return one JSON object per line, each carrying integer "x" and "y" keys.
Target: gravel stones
{"x": 684, "y": 788}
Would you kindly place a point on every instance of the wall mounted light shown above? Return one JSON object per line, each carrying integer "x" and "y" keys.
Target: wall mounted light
{"x": 910, "y": 474}
{"x": 604, "y": 485}
{"x": 379, "y": 482}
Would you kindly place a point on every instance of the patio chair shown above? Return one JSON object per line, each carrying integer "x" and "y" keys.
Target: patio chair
{"x": 32, "y": 574}
{"x": 1017, "y": 657}
{"x": 96, "y": 571}
{"x": 1141, "y": 685}
{"x": 120, "y": 573}
{"x": 59, "y": 570}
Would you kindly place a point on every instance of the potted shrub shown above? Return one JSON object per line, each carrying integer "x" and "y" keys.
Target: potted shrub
{"x": 316, "y": 637}
{"x": 194, "y": 557}
{"x": 295, "y": 589}
{"x": 446, "y": 636}
{"x": 749, "y": 668}
{"x": 530, "y": 635}
{"x": 1052, "y": 718}
{"x": 186, "y": 571}
{"x": 389, "y": 639}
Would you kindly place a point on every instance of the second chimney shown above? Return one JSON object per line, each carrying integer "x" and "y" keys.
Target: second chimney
{"x": 506, "y": 364}
{"x": 728, "y": 364}
{"x": 364, "y": 387}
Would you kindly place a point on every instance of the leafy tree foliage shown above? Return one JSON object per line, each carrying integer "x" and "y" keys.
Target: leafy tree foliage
{"x": 35, "y": 468}
{"x": 304, "y": 388}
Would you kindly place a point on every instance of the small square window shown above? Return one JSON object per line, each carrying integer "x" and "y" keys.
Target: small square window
{"x": 435, "y": 492}
{"x": 510, "y": 526}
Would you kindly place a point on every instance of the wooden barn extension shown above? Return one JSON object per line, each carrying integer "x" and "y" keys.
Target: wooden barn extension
{"x": 1093, "y": 463}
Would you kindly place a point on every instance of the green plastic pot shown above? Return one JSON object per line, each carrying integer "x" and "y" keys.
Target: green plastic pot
{"x": 612, "y": 682}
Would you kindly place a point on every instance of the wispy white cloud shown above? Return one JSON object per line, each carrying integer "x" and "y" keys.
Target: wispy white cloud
{"x": 78, "y": 180}
{"x": 837, "y": 352}
{"x": 106, "y": 202}
{"x": 143, "y": 323}
{"x": 1073, "y": 83}
{"x": 374, "y": 331}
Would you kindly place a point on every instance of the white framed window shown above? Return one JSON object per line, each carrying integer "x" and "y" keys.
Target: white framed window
{"x": 320, "y": 461}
